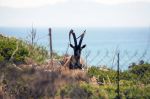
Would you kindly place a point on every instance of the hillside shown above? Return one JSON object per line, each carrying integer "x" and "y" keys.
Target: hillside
{"x": 25, "y": 73}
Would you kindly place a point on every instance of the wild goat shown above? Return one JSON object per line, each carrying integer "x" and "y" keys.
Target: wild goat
{"x": 74, "y": 61}
{"x": 68, "y": 59}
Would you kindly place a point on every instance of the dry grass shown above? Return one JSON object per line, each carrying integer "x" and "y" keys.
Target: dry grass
{"x": 37, "y": 81}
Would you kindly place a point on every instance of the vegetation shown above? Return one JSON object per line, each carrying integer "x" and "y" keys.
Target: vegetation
{"x": 12, "y": 49}
{"x": 134, "y": 82}
{"x": 23, "y": 76}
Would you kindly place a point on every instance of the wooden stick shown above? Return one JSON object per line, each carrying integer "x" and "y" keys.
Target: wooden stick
{"x": 51, "y": 49}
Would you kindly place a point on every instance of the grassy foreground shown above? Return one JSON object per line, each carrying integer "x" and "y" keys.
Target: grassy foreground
{"x": 24, "y": 74}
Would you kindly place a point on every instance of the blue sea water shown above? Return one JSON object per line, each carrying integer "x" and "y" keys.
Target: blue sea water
{"x": 102, "y": 43}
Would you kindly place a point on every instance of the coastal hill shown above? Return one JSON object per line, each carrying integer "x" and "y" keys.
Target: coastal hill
{"x": 26, "y": 72}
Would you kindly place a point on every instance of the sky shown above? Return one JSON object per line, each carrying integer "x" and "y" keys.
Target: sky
{"x": 75, "y": 13}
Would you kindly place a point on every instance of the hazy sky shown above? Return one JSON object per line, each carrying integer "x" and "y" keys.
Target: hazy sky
{"x": 75, "y": 13}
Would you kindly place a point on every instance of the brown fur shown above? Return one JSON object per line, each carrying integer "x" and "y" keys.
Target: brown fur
{"x": 68, "y": 59}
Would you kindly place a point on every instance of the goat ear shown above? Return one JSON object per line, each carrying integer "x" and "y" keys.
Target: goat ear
{"x": 83, "y": 46}
{"x": 71, "y": 46}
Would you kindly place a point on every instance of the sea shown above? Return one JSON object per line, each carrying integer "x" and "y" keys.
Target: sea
{"x": 102, "y": 44}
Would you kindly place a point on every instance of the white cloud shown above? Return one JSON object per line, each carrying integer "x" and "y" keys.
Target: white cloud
{"x": 114, "y": 2}
{"x": 28, "y": 3}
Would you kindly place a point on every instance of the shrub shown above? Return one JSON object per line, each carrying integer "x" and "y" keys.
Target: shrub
{"x": 141, "y": 72}
{"x": 100, "y": 74}
{"x": 137, "y": 92}
{"x": 8, "y": 46}
{"x": 17, "y": 51}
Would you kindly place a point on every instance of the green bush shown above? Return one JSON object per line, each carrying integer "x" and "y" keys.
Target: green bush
{"x": 100, "y": 74}
{"x": 37, "y": 53}
{"x": 141, "y": 73}
{"x": 8, "y": 47}
{"x": 137, "y": 92}
{"x": 18, "y": 50}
